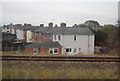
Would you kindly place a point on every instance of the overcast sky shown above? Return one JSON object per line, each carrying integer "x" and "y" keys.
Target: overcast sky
{"x": 68, "y": 11}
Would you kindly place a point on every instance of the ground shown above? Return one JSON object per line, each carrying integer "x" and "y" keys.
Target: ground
{"x": 59, "y": 70}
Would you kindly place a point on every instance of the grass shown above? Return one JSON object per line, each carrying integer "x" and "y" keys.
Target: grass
{"x": 14, "y": 72}
{"x": 23, "y": 53}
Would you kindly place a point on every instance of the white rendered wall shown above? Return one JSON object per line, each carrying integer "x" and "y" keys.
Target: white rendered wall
{"x": 19, "y": 34}
{"x": 67, "y": 41}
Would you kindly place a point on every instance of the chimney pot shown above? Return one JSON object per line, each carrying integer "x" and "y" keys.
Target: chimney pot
{"x": 41, "y": 25}
{"x": 50, "y": 24}
{"x": 62, "y": 24}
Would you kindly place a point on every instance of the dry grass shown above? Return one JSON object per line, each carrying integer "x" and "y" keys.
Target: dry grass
{"x": 14, "y": 72}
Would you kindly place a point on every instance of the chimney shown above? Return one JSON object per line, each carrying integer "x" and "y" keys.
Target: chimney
{"x": 55, "y": 25}
{"x": 18, "y": 25}
{"x": 62, "y": 24}
{"x": 25, "y": 24}
{"x": 50, "y": 24}
{"x": 10, "y": 23}
{"x": 41, "y": 25}
{"x": 29, "y": 25}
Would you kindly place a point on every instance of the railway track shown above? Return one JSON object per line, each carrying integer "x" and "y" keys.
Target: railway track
{"x": 59, "y": 58}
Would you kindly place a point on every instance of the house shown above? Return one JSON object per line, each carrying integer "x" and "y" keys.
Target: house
{"x": 45, "y": 48}
{"x": 23, "y": 32}
{"x": 74, "y": 40}
{"x": 14, "y": 29}
{"x": 27, "y": 33}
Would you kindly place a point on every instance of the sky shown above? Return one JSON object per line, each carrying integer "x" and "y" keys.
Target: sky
{"x": 69, "y": 11}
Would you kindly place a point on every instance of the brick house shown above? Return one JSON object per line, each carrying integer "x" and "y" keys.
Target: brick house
{"x": 44, "y": 48}
{"x": 74, "y": 40}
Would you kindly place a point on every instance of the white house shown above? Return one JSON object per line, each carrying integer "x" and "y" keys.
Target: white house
{"x": 20, "y": 34}
{"x": 74, "y": 40}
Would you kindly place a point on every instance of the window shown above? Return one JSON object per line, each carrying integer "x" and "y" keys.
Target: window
{"x": 35, "y": 51}
{"x": 59, "y": 38}
{"x": 74, "y": 50}
{"x": 50, "y": 51}
{"x": 75, "y": 38}
{"x": 68, "y": 50}
{"x": 79, "y": 49}
{"x": 54, "y": 37}
{"x": 53, "y": 51}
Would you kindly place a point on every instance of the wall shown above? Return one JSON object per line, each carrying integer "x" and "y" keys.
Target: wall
{"x": 67, "y": 41}
{"x": 28, "y": 36}
{"x": 40, "y": 38}
{"x": 19, "y": 34}
{"x": 4, "y": 29}
{"x": 42, "y": 50}
{"x": 29, "y": 50}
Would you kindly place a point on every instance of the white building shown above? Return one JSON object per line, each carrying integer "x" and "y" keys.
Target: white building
{"x": 74, "y": 40}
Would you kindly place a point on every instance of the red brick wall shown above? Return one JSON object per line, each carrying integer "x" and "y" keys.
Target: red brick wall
{"x": 60, "y": 51}
{"x": 29, "y": 50}
{"x": 42, "y": 50}
{"x": 40, "y": 38}
{"x": 25, "y": 34}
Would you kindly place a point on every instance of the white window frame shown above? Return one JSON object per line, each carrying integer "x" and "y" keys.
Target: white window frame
{"x": 70, "y": 50}
{"x": 35, "y": 49}
{"x": 53, "y": 51}
{"x": 75, "y": 38}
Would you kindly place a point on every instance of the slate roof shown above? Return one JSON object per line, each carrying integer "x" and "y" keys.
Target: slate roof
{"x": 66, "y": 30}
{"x": 57, "y": 30}
{"x": 12, "y": 26}
{"x": 44, "y": 45}
{"x": 30, "y": 27}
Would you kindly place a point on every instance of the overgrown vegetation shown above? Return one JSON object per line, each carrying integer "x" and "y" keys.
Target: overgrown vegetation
{"x": 52, "y": 70}
{"x": 44, "y": 73}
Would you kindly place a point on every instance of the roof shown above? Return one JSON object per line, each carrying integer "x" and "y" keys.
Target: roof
{"x": 11, "y": 26}
{"x": 30, "y": 27}
{"x": 56, "y": 30}
{"x": 66, "y": 30}
{"x": 44, "y": 45}
{"x": 22, "y": 27}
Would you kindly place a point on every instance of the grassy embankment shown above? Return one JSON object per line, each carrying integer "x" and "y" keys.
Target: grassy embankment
{"x": 44, "y": 73}
{"x": 23, "y": 53}
{"x": 59, "y": 70}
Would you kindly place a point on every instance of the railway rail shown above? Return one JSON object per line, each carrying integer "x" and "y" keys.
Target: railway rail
{"x": 59, "y": 58}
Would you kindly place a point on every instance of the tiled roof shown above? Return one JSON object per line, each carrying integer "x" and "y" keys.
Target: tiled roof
{"x": 44, "y": 45}
{"x": 66, "y": 30}
{"x": 30, "y": 27}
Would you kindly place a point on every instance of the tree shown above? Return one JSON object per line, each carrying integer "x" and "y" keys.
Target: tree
{"x": 100, "y": 37}
{"x": 104, "y": 34}
{"x": 82, "y": 25}
{"x": 108, "y": 28}
{"x": 92, "y": 24}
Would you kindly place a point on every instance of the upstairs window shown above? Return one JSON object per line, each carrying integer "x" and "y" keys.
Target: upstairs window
{"x": 75, "y": 38}
{"x": 59, "y": 37}
{"x": 54, "y": 37}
